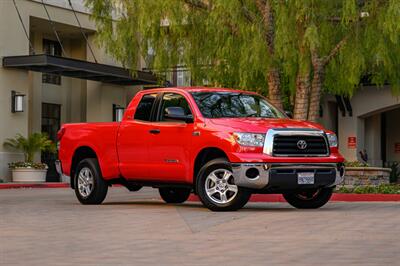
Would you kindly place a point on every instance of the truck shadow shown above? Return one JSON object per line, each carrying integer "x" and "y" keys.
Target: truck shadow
{"x": 252, "y": 207}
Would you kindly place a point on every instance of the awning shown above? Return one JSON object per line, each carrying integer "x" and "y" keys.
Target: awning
{"x": 79, "y": 69}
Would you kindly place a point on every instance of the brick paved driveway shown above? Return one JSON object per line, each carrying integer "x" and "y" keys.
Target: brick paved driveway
{"x": 49, "y": 227}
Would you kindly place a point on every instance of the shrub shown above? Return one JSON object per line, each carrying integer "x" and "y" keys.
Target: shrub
{"x": 381, "y": 189}
{"x": 30, "y": 146}
{"x": 395, "y": 174}
{"x": 355, "y": 164}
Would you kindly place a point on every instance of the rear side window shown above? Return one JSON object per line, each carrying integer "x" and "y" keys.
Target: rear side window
{"x": 143, "y": 111}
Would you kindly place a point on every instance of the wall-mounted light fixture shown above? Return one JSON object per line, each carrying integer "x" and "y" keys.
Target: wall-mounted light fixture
{"x": 17, "y": 102}
{"x": 118, "y": 112}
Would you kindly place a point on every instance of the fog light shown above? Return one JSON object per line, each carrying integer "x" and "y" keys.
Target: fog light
{"x": 252, "y": 173}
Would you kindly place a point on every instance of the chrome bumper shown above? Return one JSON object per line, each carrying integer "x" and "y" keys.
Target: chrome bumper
{"x": 63, "y": 178}
{"x": 58, "y": 167}
{"x": 258, "y": 175}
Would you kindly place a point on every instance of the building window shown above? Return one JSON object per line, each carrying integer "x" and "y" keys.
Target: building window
{"x": 183, "y": 77}
{"x": 51, "y": 48}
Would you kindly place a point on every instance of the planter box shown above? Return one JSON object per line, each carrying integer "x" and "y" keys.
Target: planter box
{"x": 366, "y": 176}
{"x": 29, "y": 175}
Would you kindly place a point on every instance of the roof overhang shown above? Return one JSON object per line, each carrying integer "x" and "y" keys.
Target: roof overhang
{"x": 79, "y": 69}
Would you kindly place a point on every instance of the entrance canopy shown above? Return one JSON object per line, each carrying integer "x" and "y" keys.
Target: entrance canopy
{"x": 79, "y": 69}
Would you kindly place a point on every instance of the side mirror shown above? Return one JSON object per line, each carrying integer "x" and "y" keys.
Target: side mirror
{"x": 289, "y": 114}
{"x": 177, "y": 113}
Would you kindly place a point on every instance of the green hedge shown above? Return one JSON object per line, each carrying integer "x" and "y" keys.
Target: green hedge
{"x": 381, "y": 189}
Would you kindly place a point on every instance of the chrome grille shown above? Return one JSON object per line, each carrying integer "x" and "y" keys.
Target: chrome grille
{"x": 289, "y": 146}
{"x": 296, "y": 142}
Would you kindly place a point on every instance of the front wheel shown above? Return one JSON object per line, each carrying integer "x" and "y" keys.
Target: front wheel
{"x": 216, "y": 188}
{"x": 174, "y": 195}
{"x": 309, "y": 199}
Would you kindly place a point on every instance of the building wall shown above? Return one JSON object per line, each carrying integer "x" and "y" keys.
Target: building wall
{"x": 80, "y": 100}
{"x": 12, "y": 41}
{"x": 367, "y": 101}
{"x": 329, "y": 113}
{"x": 372, "y": 139}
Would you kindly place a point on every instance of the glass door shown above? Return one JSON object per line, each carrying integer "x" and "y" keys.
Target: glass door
{"x": 51, "y": 121}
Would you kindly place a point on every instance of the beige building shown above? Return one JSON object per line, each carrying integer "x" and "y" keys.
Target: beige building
{"x": 63, "y": 83}
{"x": 71, "y": 90}
{"x": 368, "y": 122}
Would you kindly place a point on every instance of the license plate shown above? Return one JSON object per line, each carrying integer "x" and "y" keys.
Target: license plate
{"x": 305, "y": 178}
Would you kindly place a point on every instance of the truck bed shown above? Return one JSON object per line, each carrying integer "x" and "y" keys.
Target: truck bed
{"x": 100, "y": 137}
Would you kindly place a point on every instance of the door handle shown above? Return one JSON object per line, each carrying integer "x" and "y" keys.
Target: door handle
{"x": 154, "y": 131}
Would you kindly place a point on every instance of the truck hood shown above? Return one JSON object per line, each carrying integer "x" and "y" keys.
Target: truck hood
{"x": 261, "y": 125}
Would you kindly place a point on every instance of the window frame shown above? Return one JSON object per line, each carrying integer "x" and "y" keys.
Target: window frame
{"x": 159, "y": 106}
{"x": 153, "y": 108}
{"x": 51, "y": 78}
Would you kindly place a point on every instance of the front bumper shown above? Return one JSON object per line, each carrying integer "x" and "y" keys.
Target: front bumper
{"x": 283, "y": 176}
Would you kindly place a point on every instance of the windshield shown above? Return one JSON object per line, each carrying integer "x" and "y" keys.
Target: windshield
{"x": 234, "y": 104}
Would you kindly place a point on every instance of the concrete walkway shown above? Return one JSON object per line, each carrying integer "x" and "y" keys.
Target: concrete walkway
{"x": 50, "y": 227}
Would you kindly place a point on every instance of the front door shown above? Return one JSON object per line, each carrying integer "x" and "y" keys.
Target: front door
{"x": 51, "y": 116}
{"x": 170, "y": 146}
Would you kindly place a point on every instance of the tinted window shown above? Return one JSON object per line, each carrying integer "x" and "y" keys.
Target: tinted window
{"x": 143, "y": 111}
{"x": 174, "y": 100}
{"x": 232, "y": 104}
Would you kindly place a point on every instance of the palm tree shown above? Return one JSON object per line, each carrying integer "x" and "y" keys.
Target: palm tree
{"x": 31, "y": 145}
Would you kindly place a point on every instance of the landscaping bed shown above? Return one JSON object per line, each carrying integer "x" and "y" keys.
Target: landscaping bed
{"x": 380, "y": 189}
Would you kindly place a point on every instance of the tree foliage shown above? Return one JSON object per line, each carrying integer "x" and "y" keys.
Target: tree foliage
{"x": 314, "y": 45}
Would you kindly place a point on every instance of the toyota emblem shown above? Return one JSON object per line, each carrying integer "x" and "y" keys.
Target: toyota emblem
{"x": 302, "y": 144}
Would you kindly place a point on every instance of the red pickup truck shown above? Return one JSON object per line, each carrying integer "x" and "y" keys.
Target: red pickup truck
{"x": 220, "y": 144}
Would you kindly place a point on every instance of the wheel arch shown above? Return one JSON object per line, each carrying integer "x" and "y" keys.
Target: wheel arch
{"x": 81, "y": 153}
{"x": 204, "y": 156}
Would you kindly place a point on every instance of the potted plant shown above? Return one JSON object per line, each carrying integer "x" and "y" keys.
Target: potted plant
{"x": 28, "y": 170}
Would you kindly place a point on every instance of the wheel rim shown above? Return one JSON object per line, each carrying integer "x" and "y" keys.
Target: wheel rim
{"x": 85, "y": 182}
{"x": 308, "y": 195}
{"x": 220, "y": 187}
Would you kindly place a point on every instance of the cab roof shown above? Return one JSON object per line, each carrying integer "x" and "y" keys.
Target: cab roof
{"x": 197, "y": 89}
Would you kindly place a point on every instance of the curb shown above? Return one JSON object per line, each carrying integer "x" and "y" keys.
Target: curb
{"x": 336, "y": 197}
{"x": 33, "y": 185}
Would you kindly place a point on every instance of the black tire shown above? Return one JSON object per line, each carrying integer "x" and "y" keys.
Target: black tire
{"x": 174, "y": 195}
{"x": 237, "y": 202}
{"x": 309, "y": 199}
{"x": 99, "y": 187}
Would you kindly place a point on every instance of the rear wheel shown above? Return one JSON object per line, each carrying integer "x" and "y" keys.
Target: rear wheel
{"x": 309, "y": 199}
{"x": 216, "y": 187}
{"x": 174, "y": 195}
{"x": 90, "y": 187}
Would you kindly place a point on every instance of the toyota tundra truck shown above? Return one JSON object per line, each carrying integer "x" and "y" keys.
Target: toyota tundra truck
{"x": 220, "y": 144}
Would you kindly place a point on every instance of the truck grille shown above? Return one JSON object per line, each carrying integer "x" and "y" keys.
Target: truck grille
{"x": 300, "y": 145}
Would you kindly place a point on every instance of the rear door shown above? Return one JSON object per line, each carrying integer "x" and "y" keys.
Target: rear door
{"x": 169, "y": 151}
{"x": 133, "y": 140}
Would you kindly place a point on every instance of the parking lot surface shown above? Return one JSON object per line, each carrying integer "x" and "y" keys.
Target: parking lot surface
{"x": 50, "y": 227}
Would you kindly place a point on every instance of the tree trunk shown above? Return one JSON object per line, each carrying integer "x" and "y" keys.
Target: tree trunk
{"x": 301, "y": 100}
{"x": 274, "y": 88}
{"x": 316, "y": 88}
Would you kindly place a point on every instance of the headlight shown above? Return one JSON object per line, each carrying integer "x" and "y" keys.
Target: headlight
{"x": 332, "y": 139}
{"x": 250, "y": 139}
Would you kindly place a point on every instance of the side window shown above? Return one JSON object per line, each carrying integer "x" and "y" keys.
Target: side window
{"x": 174, "y": 100}
{"x": 143, "y": 110}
